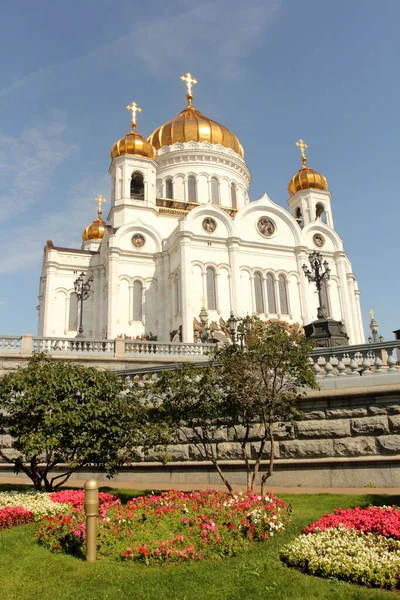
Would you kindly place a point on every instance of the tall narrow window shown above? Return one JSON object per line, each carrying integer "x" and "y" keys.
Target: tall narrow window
{"x": 299, "y": 217}
{"x": 211, "y": 289}
{"x": 258, "y": 293}
{"x": 271, "y": 293}
{"x": 192, "y": 188}
{"x": 214, "y": 190}
{"x": 169, "y": 189}
{"x": 137, "y": 301}
{"x": 233, "y": 195}
{"x": 177, "y": 294}
{"x": 320, "y": 212}
{"x": 73, "y": 312}
{"x": 137, "y": 186}
{"x": 283, "y": 297}
{"x": 325, "y": 297}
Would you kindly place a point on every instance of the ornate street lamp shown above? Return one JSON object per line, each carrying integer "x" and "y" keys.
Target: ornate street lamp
{"x": 205, "y": 330}
{"x": 320, "y": 272}
{"x": 82, "y": 291}
{"x": 232, "y": 324}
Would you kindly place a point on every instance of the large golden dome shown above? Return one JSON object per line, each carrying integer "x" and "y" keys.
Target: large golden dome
{"x": 96, "y": 229}
{"x": 133, "y": 142}
{"x": 191, "y": 125}
{"x": 306, "y": 177}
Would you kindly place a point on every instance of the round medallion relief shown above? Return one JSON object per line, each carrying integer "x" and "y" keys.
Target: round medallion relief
{"x": 138, "y": 240}
{"x": 209, "y": 225}
{"x": 266, "y": 226}
{"x": 319, "y": 240}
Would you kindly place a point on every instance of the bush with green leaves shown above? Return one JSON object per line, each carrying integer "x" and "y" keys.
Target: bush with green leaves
{"x": 61, "y": 414}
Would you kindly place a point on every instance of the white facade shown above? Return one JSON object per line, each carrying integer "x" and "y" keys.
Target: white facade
{"x": 203, "y": 241}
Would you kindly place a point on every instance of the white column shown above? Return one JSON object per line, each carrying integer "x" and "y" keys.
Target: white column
{"x": 112, "y": 296}
{"x": 301, "y": 259}
{"x": 341, "y": 267}
{"x": 233, "y": 252}
{"x": 186, "y": 306}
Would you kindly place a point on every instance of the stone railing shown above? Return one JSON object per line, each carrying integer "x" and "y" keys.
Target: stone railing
{"x": 73, "y": 346}
{"x": 379, "y": 358}
{"x": 119, "y": 348}
{"x": 139, "y": 348}
{"x": 10, "y": 344}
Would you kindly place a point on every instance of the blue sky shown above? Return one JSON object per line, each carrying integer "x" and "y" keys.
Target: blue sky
{"x": 271, "y": 70}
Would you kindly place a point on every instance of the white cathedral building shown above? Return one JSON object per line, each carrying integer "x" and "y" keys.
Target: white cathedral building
{"x": 182, "y": 231}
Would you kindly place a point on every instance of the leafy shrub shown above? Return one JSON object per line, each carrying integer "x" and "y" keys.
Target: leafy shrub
{"x": 175, "y": 526}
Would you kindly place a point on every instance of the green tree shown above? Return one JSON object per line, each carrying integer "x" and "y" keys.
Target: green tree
{"x": 263, "y": 378}
{"x": 191, "y": 402}
{"x": 60, "y": 413}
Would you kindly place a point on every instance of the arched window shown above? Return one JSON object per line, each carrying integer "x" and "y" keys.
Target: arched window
{"x": 177, "y": 293}
{"x": 299, "y": 217}
{"x": 137, "y": 186}
{"x": 320, "y": 212}
{"x": 258, "y": 293}
{"x": 73, "y": 312}
{"x": 325, "y": 297}
{"x": 211, "y": 289}
{"x": 283, "y": 297}
{"x": 271, "y": 293}
{"x": 137, "y": 301}
{"x": 233, "y": 195}
{"x": 214, "y": 190}
{"x": 192, "y": 188}
{"x": 169, "y": 189}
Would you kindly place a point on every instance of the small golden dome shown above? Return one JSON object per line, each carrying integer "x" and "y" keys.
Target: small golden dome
{"x": 96, "y": 229}
{"x": 306, "y": 177}
{"x": 133, "y": 142}
{"x": 190, "y": 125}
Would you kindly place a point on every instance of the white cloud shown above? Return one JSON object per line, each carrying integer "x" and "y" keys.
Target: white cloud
{"x": 28, "y": 162}
{"x": 22, "y": 247}
{"x": 210, "y": 36}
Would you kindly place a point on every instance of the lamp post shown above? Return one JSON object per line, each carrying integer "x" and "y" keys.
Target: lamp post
{"x": 82, "y": 291}
{"x": 232, "y": 321}
{"x": 205, "y": 330}
{"x": 320, "y": 271}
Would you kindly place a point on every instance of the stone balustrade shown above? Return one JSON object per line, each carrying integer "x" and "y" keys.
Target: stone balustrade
{"x": 137, "y": 347}
{"x": 380, "y": 358}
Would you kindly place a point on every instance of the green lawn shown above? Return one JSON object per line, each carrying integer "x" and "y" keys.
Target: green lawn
{"x": 28, "y": 571}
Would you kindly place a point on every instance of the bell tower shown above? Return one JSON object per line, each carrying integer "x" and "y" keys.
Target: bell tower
{"x": 133, "y": 174}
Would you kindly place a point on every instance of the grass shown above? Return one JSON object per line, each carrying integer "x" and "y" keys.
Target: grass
{"x": 28, "y": 571}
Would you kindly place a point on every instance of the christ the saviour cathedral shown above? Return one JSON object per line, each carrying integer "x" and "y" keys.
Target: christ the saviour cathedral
{"x": 182, "y": 233}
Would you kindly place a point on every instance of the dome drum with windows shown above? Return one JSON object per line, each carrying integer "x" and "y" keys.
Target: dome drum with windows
{"x": 306, "y": 177}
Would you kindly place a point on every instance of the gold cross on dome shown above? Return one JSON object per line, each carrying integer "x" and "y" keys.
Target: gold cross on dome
{"x": 134, "y": 108}
{"x": 189, "y": 81}
{"x": 372, "y": 313}
{"x": 100, "y": 200}
{"x": 302, "y": 145}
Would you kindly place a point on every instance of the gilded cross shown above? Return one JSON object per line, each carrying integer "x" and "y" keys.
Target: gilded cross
{"x": 302, "y": 145}
{"x": 203, "y": 302}
{"x": 134, "y": 108}
{"x": 100, "y": 200}
{"x": 189, "y": 81}
{"x": 372, "y": 313}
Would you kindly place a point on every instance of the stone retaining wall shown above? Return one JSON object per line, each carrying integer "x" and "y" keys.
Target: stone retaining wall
{"x": 346, "y": 438}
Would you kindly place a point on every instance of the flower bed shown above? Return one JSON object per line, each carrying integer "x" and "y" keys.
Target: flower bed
{"x": 38, "y": 503}
{"x": 360, "y": 545}
{"x": 10, "y": 516}
{"x": 172, "y": 527}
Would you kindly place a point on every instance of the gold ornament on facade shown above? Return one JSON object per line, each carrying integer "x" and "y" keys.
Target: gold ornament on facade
{"x": 306, "y": 177}
{"x": 133, "y": 143}
{"x": 96, "y": 229}
{"x": 190, "y": 125}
